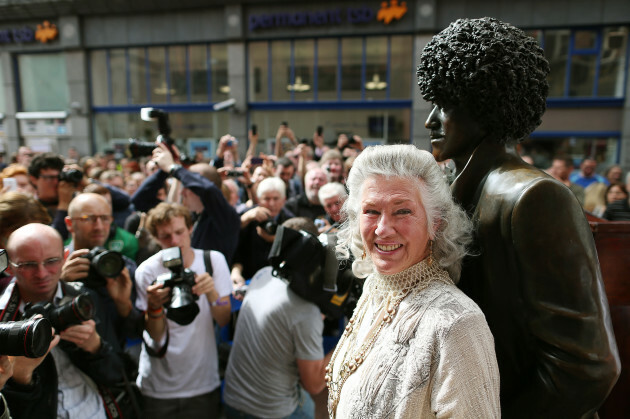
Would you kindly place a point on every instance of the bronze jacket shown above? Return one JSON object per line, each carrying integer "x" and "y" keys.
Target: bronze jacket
{"x": 535, "y": 275}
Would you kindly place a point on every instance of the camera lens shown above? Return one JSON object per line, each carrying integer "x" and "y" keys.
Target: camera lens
{"x": 108, "y": 264}
{"x": 81, "y": 308}
{"x": 29, "y": 338}
{"x": 137, "y": 149}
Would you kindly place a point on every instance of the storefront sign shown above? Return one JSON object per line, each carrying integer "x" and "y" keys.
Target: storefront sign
{"x": 44, "y": 33}
{"x": 387, "y": 13}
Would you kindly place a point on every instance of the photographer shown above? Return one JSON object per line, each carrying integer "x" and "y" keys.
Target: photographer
{"x": 53, "y": 191}
{"x": 217, "y": 223}
{"x": 258, "y": 228}
{"x": 63, "y": 382}
{"x": 178, "y": 373}
{"x": 277, "y": 351}
{"x": 89, "y": 220}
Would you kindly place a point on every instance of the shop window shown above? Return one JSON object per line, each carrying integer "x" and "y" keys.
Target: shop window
{"x": 258, "y": 71}
{"x": 137, "y": 59}
{"x": 43, "y": 82}
{"x": 327, "y": 65}
{"x": 332, "y": 69}
{"x": 280, "y": 76}
{"x": 612, "y": 62}
{"x": 178, "y": 75}
{"x": 99, "y": 77}
{"x": 351, "y": 68}
{"x": 544, "y": 149}
{"x": 374, "y": 126}
{"x": 586, "y": 63}
{"x": 219, "y": 73}
{"x": 2, "y": 100}
{"x": 113, "y": 129}
{"x": 118, "y": 74}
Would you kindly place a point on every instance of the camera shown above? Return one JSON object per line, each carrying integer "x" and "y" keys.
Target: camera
{"x": 320, "y": 130}
{"x": 182, "y": 308}
{"x": 103, "y": 264}
{"x": 234, "y": 173}
{"x": 137, "y": 148}
{"x": 29, "y": 338}
{"x": 269, "y": 226}
{"x": 351, "y": 140}
{"x": 69, "y": 312}
{"x": 74, "y": 176}
{"x": 254, "y": 129}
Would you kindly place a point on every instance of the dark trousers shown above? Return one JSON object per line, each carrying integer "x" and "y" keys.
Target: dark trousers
{"x": 204, "y": 406}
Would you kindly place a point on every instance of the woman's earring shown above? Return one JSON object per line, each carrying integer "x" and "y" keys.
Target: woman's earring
{"x": 363, "y": 255}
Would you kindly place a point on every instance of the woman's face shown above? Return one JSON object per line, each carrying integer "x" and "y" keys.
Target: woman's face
{"x": 615, "y": 194}
{"x": 393, "y": 224}
{"x": 334, "y": 167}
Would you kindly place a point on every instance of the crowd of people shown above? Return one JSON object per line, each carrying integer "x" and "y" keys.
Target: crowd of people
{"x": 194, "y": 242}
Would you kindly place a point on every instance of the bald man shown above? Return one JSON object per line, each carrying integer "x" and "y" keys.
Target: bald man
{"x": 89, "y": 220}
{"x": 63, "y": 382}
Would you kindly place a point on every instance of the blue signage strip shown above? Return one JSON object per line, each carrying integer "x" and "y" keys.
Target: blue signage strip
{"x": 338, "y": 16}
{"x": 17, "y": 35}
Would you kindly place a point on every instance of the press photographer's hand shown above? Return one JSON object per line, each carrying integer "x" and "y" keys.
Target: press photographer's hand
{"x": 75, "y": 267}
{"x": 83, "y": 335}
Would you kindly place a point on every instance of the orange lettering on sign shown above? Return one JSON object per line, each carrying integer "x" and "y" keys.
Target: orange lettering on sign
{"x": 46, "y": 32}
{"x": 391, "y": 11}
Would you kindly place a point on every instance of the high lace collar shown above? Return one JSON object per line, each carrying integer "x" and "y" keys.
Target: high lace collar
{"x": 417, "y": 276}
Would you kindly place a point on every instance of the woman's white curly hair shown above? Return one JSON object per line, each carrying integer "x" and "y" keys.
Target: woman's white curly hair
{"x": 447, "y": 224}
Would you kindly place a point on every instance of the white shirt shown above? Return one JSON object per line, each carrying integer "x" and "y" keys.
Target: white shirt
{"x": 190, "y": 366}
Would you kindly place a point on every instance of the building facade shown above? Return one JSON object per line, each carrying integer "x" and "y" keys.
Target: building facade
{"x": 76, "y": 73}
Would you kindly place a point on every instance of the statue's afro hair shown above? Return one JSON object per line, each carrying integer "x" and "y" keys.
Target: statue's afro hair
{"x": 491, "y": 68}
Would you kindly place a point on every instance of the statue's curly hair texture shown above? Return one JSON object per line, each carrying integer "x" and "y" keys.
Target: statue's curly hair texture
{"x": 493, "y": 69}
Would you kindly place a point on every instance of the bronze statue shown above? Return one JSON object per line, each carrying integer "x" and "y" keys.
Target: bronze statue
{"x": 535, "y": 272}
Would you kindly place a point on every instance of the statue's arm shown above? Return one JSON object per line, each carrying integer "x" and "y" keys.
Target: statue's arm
{"x": 566, "y": 310}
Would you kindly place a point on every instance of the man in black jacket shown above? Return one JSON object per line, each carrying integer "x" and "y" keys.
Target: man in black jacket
{"x": 217, "y": 224}
{"x": 64, "y": 381}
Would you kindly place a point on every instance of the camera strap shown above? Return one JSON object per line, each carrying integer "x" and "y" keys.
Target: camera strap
{"x": 10, "y": 312}
{"x": 207, "y": 261}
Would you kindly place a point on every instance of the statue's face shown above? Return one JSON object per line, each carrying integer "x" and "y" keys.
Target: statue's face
{"x": 454, "y": 134}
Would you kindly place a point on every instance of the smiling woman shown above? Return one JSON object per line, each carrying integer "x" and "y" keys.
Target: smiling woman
{"x": 415, "y": 345}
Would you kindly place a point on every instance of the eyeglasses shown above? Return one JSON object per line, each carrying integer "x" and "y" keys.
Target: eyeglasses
{"x": 28, "y": 267}
{"x": 92, "y": 218}
{"x": 49, "y": 177}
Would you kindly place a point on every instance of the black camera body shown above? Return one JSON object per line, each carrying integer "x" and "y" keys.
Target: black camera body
{"x": 182, "y": 307}
{"x": 30, "y": 338}
{"x": 74, "y": 176}
{"x": 137, "y": 148}
{"x": 269, "y": 226}
{"x": 103, "y": 264}
{"x": 69, "y": 312}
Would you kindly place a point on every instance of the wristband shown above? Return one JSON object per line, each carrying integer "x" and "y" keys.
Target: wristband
{"x": 158, "y": 316}
{"x": 219, "y": 302}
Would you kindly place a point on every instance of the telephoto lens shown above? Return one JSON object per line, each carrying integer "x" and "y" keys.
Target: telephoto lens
{"x": 74, "y": 312}
{"x": 70, "y": 311}
{"x": 103, "y": 264}
{"x": 29, "y": 338}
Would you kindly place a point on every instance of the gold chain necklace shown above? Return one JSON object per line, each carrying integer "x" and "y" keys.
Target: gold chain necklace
{"x": 349, "y": 365}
